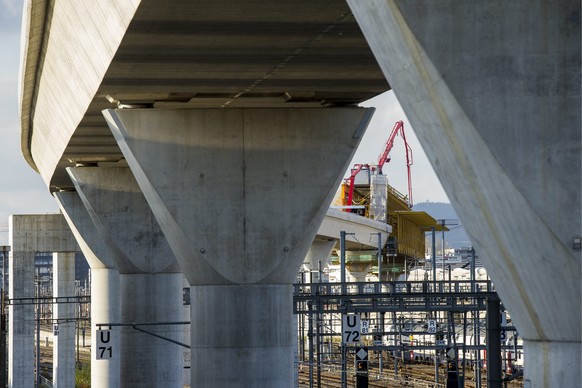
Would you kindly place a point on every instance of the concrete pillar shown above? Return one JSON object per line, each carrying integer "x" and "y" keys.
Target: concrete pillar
{"x": 357, "y": 272}
{"x": 319, "y": 252}
{"x": 105, "y": 308}
{"x": 64, "y": 313}
{"x": 105, "y": 288}
{"x": 563, "y": 358}
{"x": 21, "y": 320}
{"x": 123, "y": 227}
{"x": 494, "y": 89}
{"x": 29, "y": 234}
{"x": 240, "y": 325}
{"x": 240, "y": 194}
{"x": 151, "y": 298}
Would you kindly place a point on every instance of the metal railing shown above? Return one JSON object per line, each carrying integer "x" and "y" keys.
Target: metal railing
{"x": 409, "y": 296}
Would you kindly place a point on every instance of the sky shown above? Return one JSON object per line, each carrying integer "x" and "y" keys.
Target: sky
{"x": 22, "y": 190}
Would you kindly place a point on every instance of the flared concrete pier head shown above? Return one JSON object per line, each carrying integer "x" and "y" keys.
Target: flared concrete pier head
{"x": 239, "y": 194}
{"x": 494, "y": 88}
{"x": 136, "y": 279}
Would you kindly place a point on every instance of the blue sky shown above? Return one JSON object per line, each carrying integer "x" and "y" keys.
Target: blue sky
{"x": 22, "y": 191}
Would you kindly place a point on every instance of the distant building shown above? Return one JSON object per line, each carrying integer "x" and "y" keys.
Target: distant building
{"x": 44, "y": 268}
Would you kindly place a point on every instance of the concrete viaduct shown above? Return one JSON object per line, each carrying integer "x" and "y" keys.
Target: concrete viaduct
{"x": 115, "y": 295}
{"x": 223, "y": 115}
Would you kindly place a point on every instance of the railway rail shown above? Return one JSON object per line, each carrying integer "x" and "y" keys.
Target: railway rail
{"x": 413, "y": 375}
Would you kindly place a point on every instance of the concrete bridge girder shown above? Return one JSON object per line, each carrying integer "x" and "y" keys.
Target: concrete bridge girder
{"x": 361, "y": 232}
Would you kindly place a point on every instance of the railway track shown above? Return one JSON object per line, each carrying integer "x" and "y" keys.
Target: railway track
{"x": 413, "y": 375}
{"x": 333, "y": 380}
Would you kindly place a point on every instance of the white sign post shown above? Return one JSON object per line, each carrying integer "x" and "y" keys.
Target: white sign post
{"x": 104, "y": 345}
{"x": 351, "y": 328}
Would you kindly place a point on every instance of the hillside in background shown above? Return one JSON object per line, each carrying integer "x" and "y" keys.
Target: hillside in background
{"x": 456, "y": 237}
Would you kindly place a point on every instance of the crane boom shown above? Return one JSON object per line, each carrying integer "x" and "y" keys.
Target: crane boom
{"x": 382, "y": 160}
{"x": 385, "y": 155}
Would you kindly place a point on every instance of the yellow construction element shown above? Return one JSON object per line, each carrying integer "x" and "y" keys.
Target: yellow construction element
{"x": 409, "y": 227}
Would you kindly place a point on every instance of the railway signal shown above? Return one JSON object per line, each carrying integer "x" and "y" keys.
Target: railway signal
{"x": 361, "y": 367}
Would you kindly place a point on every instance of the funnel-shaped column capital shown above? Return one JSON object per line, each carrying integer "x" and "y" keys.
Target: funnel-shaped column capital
{"x": 239, "y": 193}
{"x": 317, "y": 258}
{"x": 97, "y": 254}
{"x": 123, "y": 220}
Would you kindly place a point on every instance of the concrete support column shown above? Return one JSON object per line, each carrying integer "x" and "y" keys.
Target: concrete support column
{"x": 357, "y": 272}
{"x": 115, "y": 222}
{"x": 155, "y": 298}
{"x": 240, "y": 195}
{"x": 64, "y": 313}
{"x": 495, "y": 89}
{"x": 242, "y": 328}
{"x": 546, "y": 361}
{"x": 105, "y": 308}
{"x": 28, "y": 234}
{"x": 319, "y": 252}
{"x": 21, "y": 320}
{"x": 105, "y": 289}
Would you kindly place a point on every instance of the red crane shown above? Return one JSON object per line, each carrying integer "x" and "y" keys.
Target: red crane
{"x": 383, "y": 159}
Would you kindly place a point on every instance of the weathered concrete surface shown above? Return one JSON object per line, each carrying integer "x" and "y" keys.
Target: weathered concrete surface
{"x": 240, "y": 195}
{"x": 84, "y": 56}
{"x": 123, "y": 220}
{"x": 317, "y": 257}
{"x": 105, "y": 285}
{"x": 146, "y": 360}
{"x": 105, "y": 308}
{"x": 67, "y": 49}
{"x": 239, "y": 170}
{"x": 21, "y": 321}
{"x": 242, "y": 326}
{"x": 64, "y": 313}
{"x": 41, "y": 233}
{"x": 493, "y": 90}
{"x": 29, "y": 234}
{"x": 365, "y": 231}
{"x": 360, "y": 232}
{"x": 119, "y": 223}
